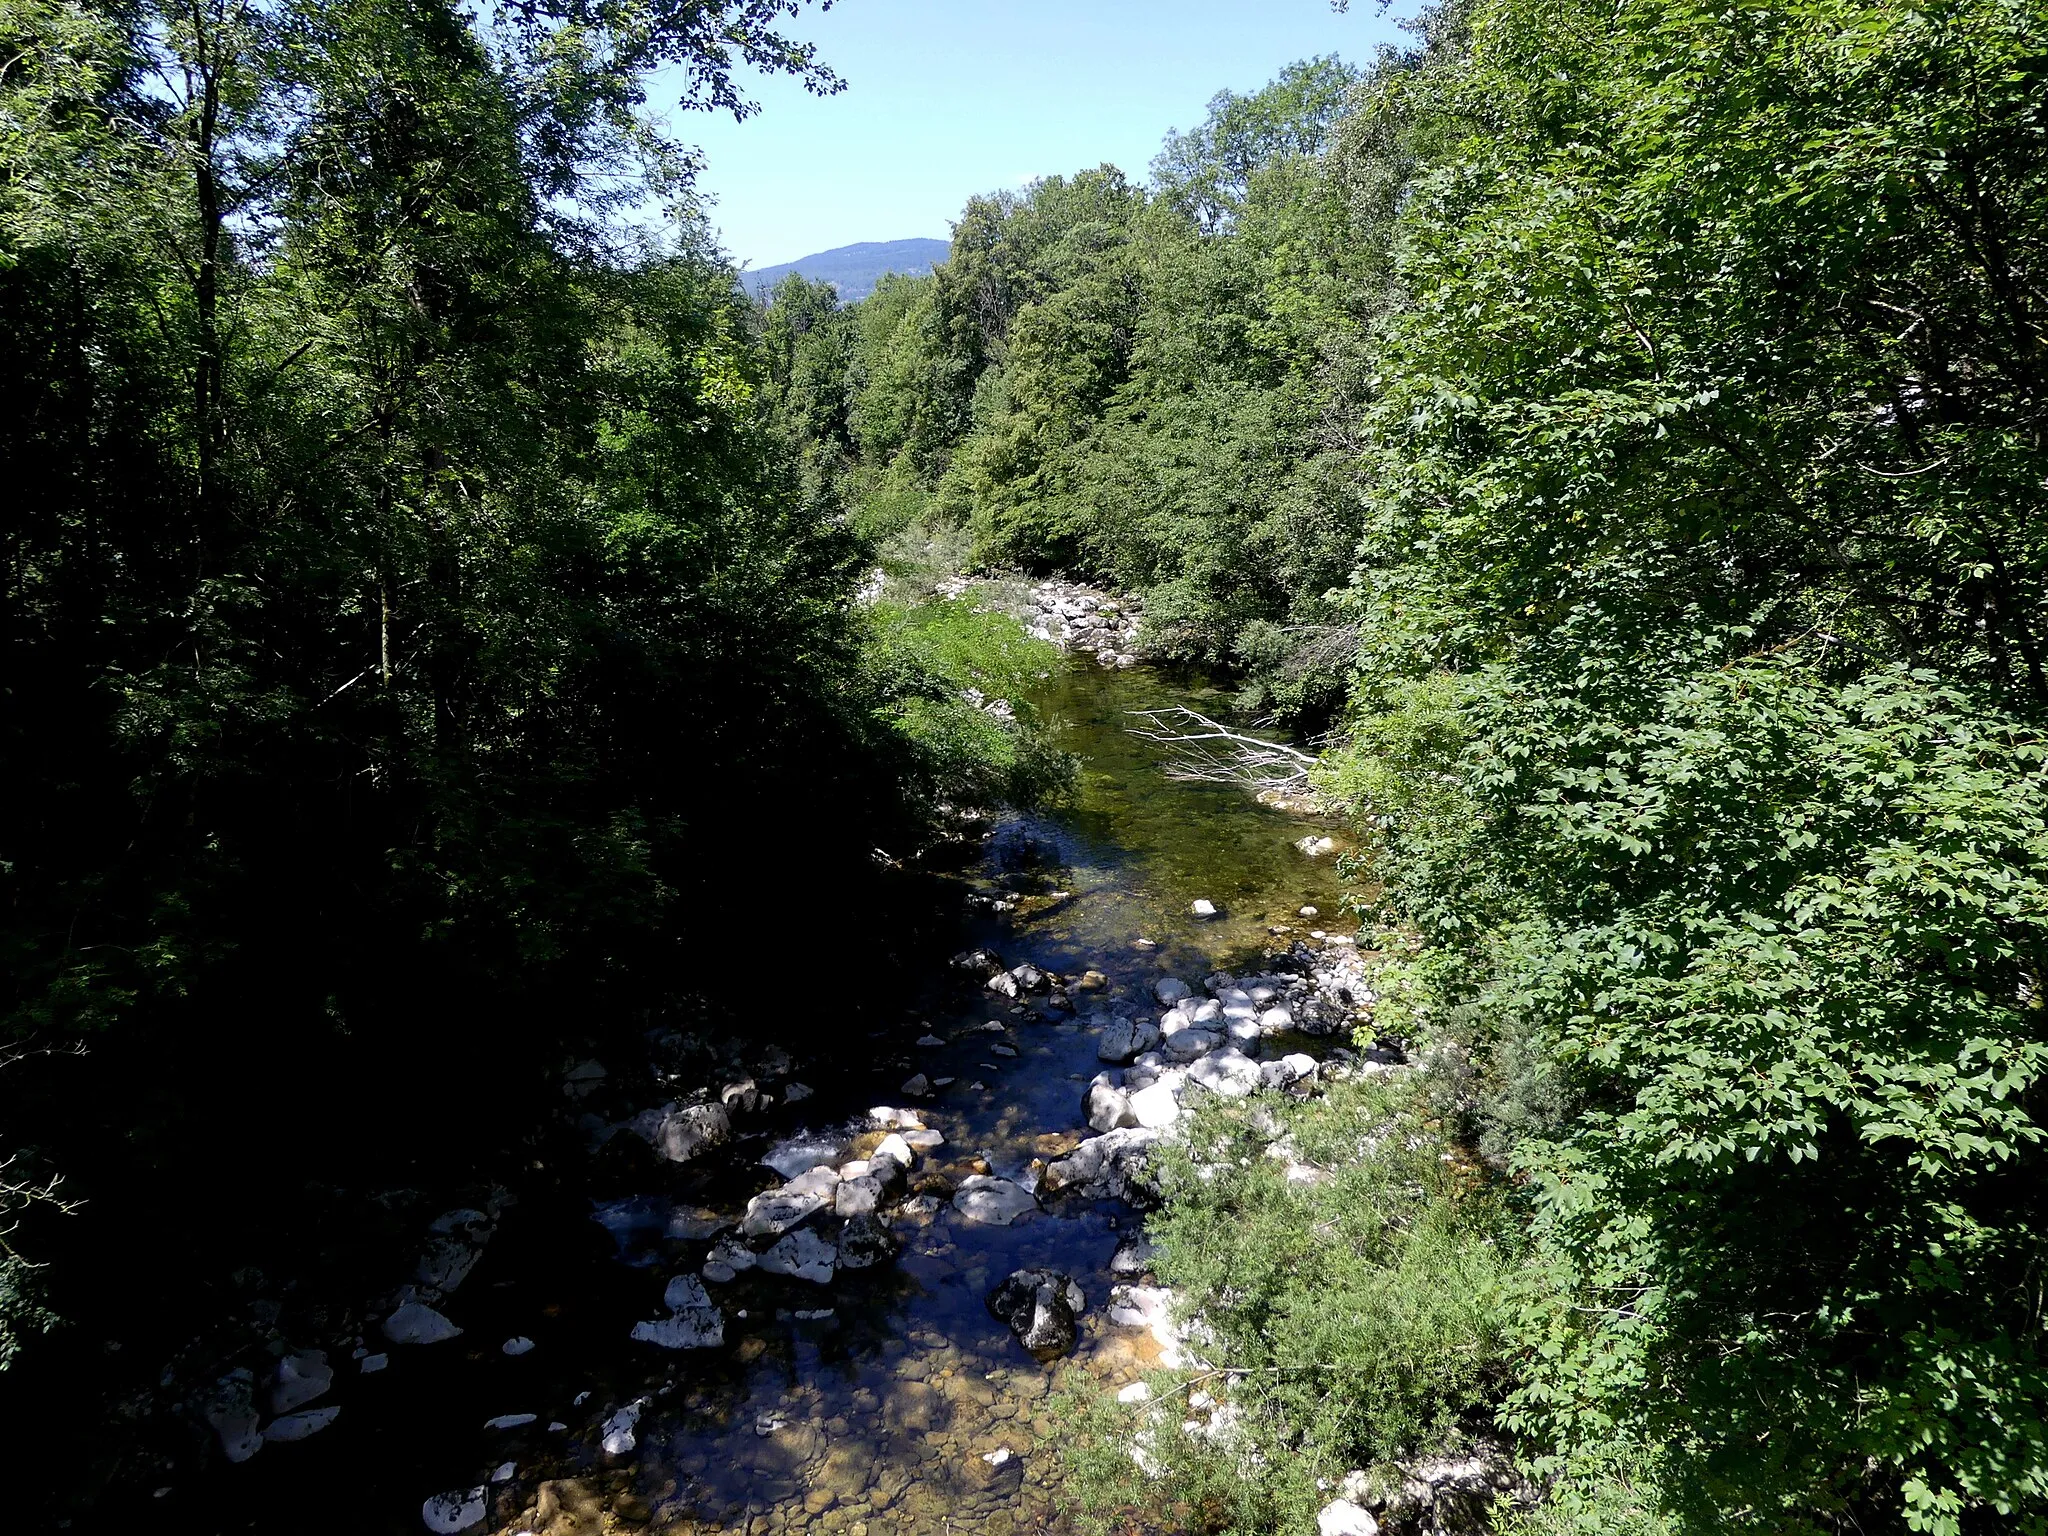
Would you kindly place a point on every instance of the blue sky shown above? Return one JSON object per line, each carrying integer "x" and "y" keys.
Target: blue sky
{"x": 946, "y": 98}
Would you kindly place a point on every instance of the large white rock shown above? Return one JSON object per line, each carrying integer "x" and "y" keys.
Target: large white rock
{"x": 1170, "y": 990}
{"x": 1229, "y": 1072}
{"x": 992, "y": 1201}
{"x": 698, "y": 1328}
{"x": 418, "y": 1323}
{"x": 1186, "y": 1044}
{"x": 803, "y": 1255}
{"x": 685, "y": 1292}
{"x": 1341, "y": 1517}
{"x": 1276, "y": 1020}
{"x": 448, "y": 1513}
{"x": 777, "y": 1211}
{"x": 857, "y": 1197}
{"x": 619, "y": 1431}
{"x": 1156, "y": 1107}
{"x": 893, "y": 1149}
{"x": 1109, "y": 1166}
{"x": 1140, "y": 1306}
{"x": 1106, "y": 1106}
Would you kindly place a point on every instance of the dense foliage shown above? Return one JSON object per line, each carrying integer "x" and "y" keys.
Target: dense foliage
{"x": 413, "y": 620}
{"x": 1699, "y": 707}
{"x": 1630, "y": 418}
{"x": 1131, "y": 384}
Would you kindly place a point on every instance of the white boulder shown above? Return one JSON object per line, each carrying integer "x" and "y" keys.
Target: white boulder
{"x": 992, "y": 1201}
{"x": 448, "y": 1513}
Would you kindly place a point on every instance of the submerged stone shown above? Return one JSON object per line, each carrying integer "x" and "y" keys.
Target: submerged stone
{"x": 992, "y": 1201}
{"x": 1041, "y": 1307}
{"x": 865, "y": 1242}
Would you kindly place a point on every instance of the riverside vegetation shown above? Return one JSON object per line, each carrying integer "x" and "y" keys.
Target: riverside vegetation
{"x": 1614, "y": 433}
{"x": 1619, "y": 432}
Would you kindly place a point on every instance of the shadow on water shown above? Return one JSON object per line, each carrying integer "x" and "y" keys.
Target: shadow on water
{"x": 884, "y": 1401}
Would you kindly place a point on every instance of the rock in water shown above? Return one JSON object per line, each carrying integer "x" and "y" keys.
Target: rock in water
{"x": 685, "y": 1330}
{"x": 1126, "y": 1038}
{"x": 1041, "y": 1307}
{"x": 683, "y": 1133}
{"x": 1106, "y": 1106}
{"x": 233, "y": 1416}
{"x": 857, "y": 1197}
{"x": 300, "y": 1379}
{"x": 694, "y": 1321}
{"x": 1133, "y": 1257}
{"x": 448, "y": 1513}
{"x": 619, "y": 1430}
{"x": 1170, "y": 990}
{"x": 1203, "y": 909}
{"x": 992, "y": 1201}
{"x": 418, "y": 1323}
{"x": 1108, "y": 1167}
{"x": 779, "y": 1210}
{"x": 1156, "y": 1106}
{"x": 803, "y": 1255}
{"x": 865, "y": 1242}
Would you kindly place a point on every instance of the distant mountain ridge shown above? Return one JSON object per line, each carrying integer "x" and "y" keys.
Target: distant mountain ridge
{"x": 853, "y": 269}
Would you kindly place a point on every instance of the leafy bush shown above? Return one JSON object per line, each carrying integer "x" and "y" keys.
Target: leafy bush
{"x": 1347, "y": 1322}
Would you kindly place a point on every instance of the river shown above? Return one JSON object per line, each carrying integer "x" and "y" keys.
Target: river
{"x": 889, "y": 1400}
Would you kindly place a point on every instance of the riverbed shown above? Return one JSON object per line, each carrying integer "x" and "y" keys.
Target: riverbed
{"x": 886, "y": 1398}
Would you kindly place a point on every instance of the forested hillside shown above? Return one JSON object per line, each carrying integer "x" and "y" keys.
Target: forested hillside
{"x": 1621, "y": 430}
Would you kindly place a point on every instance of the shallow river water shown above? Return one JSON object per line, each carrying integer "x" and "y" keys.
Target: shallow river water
{"x": 883, "y": 1401}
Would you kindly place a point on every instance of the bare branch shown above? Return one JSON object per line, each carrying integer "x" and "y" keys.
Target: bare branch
{"x": 1205, "y": 751}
